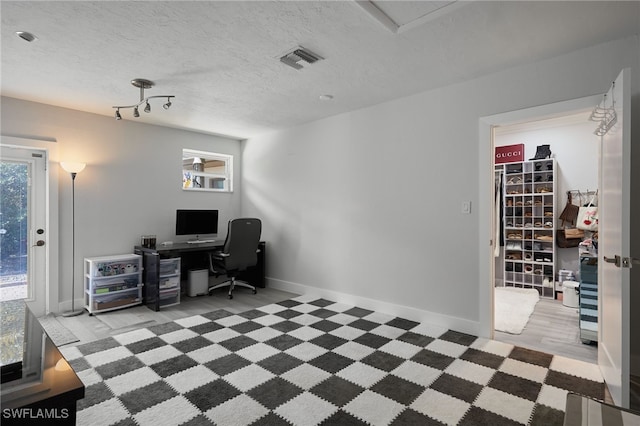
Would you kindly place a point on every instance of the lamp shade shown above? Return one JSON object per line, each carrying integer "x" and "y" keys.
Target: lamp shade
{"x": 72, "y": 167}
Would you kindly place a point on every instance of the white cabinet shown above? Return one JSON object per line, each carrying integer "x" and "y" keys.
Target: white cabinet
{"x": 169, "y": 281}
{"x": 112, "y": 282}
{"x": 529, "y": 225}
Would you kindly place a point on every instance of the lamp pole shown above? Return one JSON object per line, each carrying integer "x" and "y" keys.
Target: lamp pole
{"x": 73, "y": 169}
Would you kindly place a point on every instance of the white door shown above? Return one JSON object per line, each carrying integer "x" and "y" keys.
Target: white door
{"x": 23, "y": 233}
{"x": 614, "y": 240}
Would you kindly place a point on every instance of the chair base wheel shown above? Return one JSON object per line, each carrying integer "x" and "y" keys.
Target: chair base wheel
{"x": 231, "y": 296}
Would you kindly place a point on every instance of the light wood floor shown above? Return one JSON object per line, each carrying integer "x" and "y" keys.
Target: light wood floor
{"x": 553, "y": 328}
{"x": 89, "y": 328}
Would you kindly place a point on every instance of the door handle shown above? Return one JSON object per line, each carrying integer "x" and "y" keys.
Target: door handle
{"x": 622, "y": 262}
{"x": 615, "y": 260}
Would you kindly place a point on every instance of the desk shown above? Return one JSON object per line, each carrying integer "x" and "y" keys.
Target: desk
{"x": 38, "y": 385}
{"x": 192, "y": 256}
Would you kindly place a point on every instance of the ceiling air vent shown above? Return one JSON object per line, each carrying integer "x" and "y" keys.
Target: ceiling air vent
{"x": 300, "y": 54}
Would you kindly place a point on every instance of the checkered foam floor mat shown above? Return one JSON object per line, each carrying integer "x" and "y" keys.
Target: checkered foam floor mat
{"x": 309, "y": 362}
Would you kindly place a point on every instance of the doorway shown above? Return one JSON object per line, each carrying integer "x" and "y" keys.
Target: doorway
{"x": 526, "y": 266}
{"x": 23, "y": 230}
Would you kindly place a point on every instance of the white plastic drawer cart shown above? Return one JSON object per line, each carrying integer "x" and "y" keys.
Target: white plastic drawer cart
{"x": 112, "y": 282}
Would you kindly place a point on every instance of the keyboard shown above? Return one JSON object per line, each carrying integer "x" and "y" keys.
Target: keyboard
{"x": 200, "y": 241}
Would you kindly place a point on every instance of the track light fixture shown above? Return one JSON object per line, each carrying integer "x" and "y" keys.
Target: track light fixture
{"x": 142, "y": 84}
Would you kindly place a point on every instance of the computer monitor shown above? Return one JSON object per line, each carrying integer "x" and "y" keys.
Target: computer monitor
{"x": 196, "y": 222}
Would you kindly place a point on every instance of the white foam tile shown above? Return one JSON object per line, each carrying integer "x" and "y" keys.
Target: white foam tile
{"x": 110, "y": 355}
{"x": 305, "y": 308}
{"x": 208, "y": 353}
{"x": 430, "y": 330}
{"x": 525, "y": 370}
{"x": 401, "y": 349}
{"x": 306, "y": 351}
{"x": 445, "y": 408}
{"x": 306, "y": 409}
{"x": 132, "y": 380}
{"x": 343, "y": 318}
{"x": 505, "y": 404}
{"x": 178, "y": 335}
{"x": 268, "y": 320}
{"x": 306, "y": 376}
{"x": 305, "y": 319}
{"x": 231, "y": 320}
{"x": 349, "y": 333}
{"x": 576, "y": 368}
{"x": 374, "y": 408}
{"x": 134, "y": 336}
{"x": 419, "y": 374}
{"x": 447, "y": 348}
{"x": 353, "y": 350}
{"x": 339, "y": 307}
{"x": 470, "y": 371}
{"x": 272, "y": 309}
{"x": 379, "y": 317}
{"x": 239, "y": 411}
{"x": 221, "y": 335}
{"x": 263, "y": 334}
{"x": 107, "y": 412}
{"x": 257, "y": 352}
{"x": 361, "y": 374}
{"x": 388, "y": 331}
{"x": 89, "y": 377}
{"x": 159, "y": 354}
{"x": 248, "y": 377}
{"x": 173, "y": 411}
{"x": 306, "y": 333}
{"x": 191, "y": 378}
{"x": 492, "y": 346}
{"x": 553, "y": 397}
{"x": 192, "y": 321}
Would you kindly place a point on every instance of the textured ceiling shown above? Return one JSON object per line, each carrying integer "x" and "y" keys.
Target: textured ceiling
{"x": 220, "y": 59}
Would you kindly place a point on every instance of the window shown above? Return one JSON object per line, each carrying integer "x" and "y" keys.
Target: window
{"x": 206, "y": 171}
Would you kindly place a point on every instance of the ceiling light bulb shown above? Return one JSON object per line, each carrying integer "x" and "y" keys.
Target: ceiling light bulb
{"x": 118, "y": 116}
{"x": 135, "y": 112}
{"x": 168, "y": 104}
{"x": 147, "y": 108}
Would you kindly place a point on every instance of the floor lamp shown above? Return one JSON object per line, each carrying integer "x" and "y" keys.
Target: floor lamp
{"x": 73, "y": 169}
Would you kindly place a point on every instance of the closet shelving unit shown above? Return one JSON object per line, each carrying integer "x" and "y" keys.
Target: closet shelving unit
{"x": 529, "y": 212}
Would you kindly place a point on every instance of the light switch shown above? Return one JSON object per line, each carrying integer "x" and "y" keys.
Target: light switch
{"x": 466, "y": 207}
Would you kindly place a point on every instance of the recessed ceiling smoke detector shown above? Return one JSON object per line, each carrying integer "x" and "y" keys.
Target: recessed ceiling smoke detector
{"x": 26, "y": 36}
{"x": 299, "y": 54}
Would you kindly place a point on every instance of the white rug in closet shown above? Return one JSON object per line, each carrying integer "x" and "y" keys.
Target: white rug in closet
{"x": 513, "y": 307}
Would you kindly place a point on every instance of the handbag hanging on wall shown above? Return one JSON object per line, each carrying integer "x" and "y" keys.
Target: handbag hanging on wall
{"x": 567, "y": 238}
{"x": 588, "y": 216}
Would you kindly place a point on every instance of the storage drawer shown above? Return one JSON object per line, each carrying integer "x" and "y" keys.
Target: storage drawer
{"x": 169, "y": 282}
{"x": 170, "y": 266}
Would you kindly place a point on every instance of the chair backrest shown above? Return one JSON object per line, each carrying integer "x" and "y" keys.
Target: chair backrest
{"x": 241, "y": 245}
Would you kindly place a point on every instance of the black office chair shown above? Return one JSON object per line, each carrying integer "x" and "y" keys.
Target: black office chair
{"x": 240, "y": 252}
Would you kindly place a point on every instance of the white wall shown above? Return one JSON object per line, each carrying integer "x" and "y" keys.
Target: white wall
{"x": 130, "y": 187}
{"x": 368, "y": 203}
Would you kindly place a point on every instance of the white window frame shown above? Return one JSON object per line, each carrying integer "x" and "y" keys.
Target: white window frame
{"x": 199, "y": 181}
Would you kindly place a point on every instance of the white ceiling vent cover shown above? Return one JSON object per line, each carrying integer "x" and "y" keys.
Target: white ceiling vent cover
{"x": 300, "y": 54}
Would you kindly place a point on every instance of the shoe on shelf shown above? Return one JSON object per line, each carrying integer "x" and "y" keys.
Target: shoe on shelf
{"x": 542, "y": 152}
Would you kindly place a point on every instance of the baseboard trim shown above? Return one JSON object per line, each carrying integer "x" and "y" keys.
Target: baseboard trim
{"x": 446, "y": 322}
